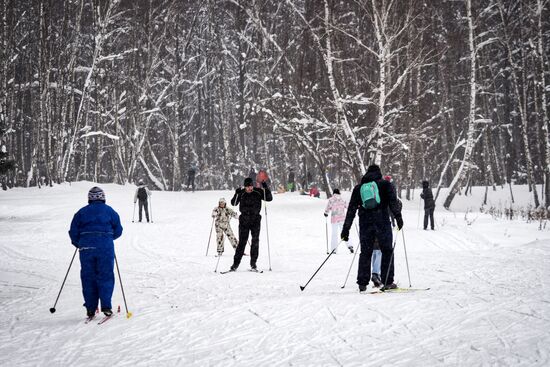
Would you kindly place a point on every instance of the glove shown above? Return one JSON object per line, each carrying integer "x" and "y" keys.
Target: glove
{"x": 345, "y": 235}
{"x": 74, "y": 244}
{"x": 325, "y": 214}
{"x": 399, "y": 221}
{"x": 264, "y": 184}
{"x": 238, "y": 190}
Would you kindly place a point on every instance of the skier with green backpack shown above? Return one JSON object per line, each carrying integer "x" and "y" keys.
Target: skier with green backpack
{"x": 372, "y": 198}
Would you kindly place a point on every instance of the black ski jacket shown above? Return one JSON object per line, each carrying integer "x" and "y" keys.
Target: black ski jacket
{"x": 388, "y": 199}
{"x": 427, "y": 195}
{"x": 250, "y": 203}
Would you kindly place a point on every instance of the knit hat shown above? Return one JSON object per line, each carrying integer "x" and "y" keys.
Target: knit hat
{"x": 96, "y": 194}
{"x": 221, "y": 201}
{"x": 387, "y": 178}
{"x": 336, "y": 191}
{"x": 248, "y": 182}
{"x": 373, "y": 168}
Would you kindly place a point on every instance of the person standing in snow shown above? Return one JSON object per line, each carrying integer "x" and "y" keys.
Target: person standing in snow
{"x": 376, "y": 262}
{"x": 249, "y": 200}
{"x": 371, "y": 198}
{"x": 337, "y": 207}
{"x": 291, "y": 184}
{"x": 429, "y": 204}
{"x": 314, "y": 192}
{"x": 222, "y": 215}
{"x": 93, "y": 230}
{"x": 191, "y": 172}
{"x": 142, "y": 194}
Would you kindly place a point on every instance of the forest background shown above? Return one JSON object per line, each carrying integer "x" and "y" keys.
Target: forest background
{"x": 120, "y": 90}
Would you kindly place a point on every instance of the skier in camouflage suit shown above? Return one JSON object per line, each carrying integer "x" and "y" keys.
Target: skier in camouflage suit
{"x": 223, "y": 216}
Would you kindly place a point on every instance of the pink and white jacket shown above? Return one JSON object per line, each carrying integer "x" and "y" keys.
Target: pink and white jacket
{"x": 337, "y": 207}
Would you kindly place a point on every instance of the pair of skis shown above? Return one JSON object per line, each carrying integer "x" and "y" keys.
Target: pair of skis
{"x": 395, "y": 290}
{"x": 251, "y": 270}
{"x": 102, "y": 321}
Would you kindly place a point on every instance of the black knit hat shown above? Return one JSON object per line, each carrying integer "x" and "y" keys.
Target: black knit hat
{"x": 248, "y": 182}
{"x": 336, "y": 191}
{"x": 96, "y": 194}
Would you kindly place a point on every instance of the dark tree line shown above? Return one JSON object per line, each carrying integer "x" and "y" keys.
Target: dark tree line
{"x": 117, "y": 90}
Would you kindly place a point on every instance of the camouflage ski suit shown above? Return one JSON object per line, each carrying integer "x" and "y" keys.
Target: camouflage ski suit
{"x": 223, "y": 217}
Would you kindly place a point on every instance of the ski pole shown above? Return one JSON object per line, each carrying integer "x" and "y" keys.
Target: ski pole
{"x": 352, "y": 259}
{"x": 209, "y": 237}
{"x": 419, "y": 207}
{"x": 406, "y": 259}
{"x": 52, "y": 310}
{"x": 134, "y": 212}
{"x": 326, "y": 231}
{"x": 304, "y": 287}
{"x": 151, "y": 208}
{"x": 128, "y": 314}
{"x": 267, "y": 232}
{"x": 217, "y": 263}
{"x": 349, "y": 270}
{"x": 383, "y": 288}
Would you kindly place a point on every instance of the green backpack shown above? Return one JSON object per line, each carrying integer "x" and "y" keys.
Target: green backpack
{"x": 369, "y": 195}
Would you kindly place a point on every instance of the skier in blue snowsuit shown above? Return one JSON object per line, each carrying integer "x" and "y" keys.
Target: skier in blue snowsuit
{"x": 93, "y": 230}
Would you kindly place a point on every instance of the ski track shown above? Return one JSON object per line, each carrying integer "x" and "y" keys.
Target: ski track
{"x": 488, "y": 304}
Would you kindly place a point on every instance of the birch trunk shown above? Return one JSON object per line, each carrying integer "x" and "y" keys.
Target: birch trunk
{"x": 545, "y": 121}
{"x": 464, "y": 165}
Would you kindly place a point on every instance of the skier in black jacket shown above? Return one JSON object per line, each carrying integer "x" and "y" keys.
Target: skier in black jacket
{"x": 374, "y": 223}
{"x": 429, "y": 204}
{"x": 250, "y": 200}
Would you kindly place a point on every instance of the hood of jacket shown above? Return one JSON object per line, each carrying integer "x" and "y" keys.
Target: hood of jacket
{"x": 374, "y": 175}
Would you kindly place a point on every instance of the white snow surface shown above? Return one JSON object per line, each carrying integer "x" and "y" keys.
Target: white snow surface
{"x": 488, "y": 303}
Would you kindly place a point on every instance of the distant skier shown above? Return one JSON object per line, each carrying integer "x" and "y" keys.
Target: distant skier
{"x": 337, "y": 207}
{"x": 142, "y": 194}
{"x": 376, "y": 260}
{"x": 429, "y": 204}
{"x": 93, "y": 230}
{"x": 371, "y": 197}
{"x": 250, "y": 201}
{"x": 314, "y": 191}
{"x": 223, "y": 215}
{"x": 291, "y": 184}
{"x": 191, "y": 173}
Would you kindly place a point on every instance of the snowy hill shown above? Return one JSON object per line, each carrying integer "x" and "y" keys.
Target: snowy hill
{"x": 488, "y": 303}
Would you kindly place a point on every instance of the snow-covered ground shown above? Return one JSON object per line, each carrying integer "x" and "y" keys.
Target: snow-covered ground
{"x": 489, "y": 302}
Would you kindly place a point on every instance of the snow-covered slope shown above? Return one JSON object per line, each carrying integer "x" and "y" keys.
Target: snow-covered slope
{"x": 489, "y": 302}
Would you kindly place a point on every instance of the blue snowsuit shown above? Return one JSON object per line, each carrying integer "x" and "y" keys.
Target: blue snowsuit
{"x": 374, "y": 224}
{"x": 93, "y": 229}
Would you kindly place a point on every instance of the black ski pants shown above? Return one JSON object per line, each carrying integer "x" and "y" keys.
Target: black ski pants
{"x": 191, "y": 182}
{"x": 248, "y": 224}
{"x": 429, "y": 213}
{"x": 375, "y": 225}
{"x": 143, "y": 204}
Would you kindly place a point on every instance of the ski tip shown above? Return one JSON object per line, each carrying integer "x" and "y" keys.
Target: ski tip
{"x": 128, "y": 315}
